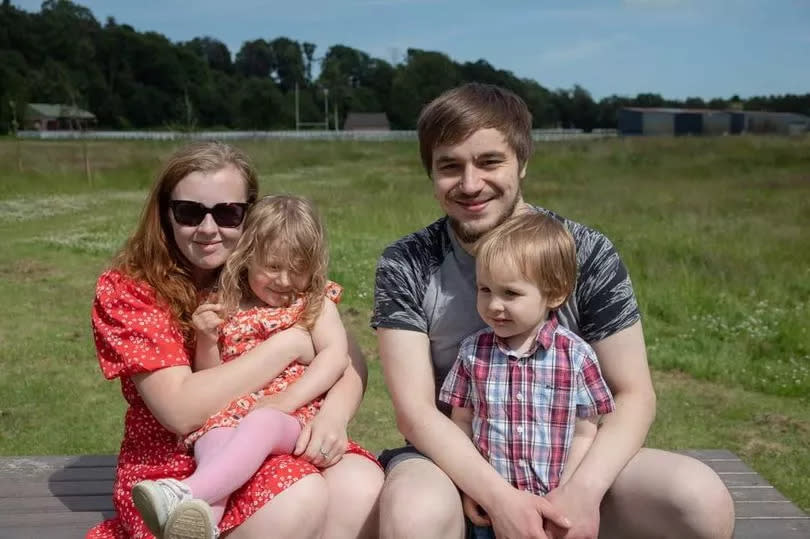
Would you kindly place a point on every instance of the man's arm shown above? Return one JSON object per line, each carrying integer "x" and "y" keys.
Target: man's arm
{"x": 408, "y": 373}
{"x": 463, "y": 417}
{"x": 623, "y": 359}
{"x": 584, "y": 433}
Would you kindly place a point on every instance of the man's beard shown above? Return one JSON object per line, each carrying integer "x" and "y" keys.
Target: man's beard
{"x": 469, "y": 235}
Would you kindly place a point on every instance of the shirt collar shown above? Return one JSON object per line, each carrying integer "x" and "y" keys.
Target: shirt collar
{"x": 544, "y": 338}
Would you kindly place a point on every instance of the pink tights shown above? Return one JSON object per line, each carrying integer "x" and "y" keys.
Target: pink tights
{"x": 228, "y": 456}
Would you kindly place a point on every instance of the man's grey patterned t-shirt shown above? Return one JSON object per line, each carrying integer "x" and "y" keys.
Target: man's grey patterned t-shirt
{"x": 425, "y": 282}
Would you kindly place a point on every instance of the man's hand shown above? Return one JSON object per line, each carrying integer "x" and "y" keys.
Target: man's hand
{"x": 206, "y": 319}
{"x": 581, "y": 509}
{"x": 522, "y": 515}
{"x": 323, "y": 441}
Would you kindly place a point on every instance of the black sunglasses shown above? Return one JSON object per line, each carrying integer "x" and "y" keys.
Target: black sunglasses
{"x": 225, "y": 214}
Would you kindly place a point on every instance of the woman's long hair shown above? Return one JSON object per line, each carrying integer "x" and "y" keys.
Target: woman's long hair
{"x": 282, "y": 227}
{"x": 151, "y": 254}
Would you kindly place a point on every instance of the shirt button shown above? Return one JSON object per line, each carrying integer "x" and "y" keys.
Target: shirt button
{"x": 519, "y": 396}
{"x": 522, "y": 462}
{"x": 520, "y": 430}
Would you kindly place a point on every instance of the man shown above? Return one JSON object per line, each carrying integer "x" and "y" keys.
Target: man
{"x": 475, "y": 142}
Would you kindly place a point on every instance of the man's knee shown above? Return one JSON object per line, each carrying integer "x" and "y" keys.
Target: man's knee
{"x": 702, "y": 501}
{"x": 418, "y": 500}
{"x": 658, "y": 491}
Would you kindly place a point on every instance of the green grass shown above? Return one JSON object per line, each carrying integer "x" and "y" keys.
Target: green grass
{"x": 713, "y": 231}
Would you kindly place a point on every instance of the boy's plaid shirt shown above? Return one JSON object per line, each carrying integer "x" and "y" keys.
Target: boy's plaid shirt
{"x": 525, "y": 407}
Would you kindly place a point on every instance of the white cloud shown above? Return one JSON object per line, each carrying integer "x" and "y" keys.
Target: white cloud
{"x": 582, "y": 49}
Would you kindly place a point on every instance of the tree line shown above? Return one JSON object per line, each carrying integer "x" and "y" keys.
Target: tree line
{"x": 131, "y": 79}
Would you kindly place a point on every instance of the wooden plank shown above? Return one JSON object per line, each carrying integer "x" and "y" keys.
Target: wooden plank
{"x": 88, "y": 518}
{"x": 759, "y": 509}
{"x": 57, "y": 531}
{"x": 89, "y": 467}
{"x": 63, "y": 496}
{"x": 764, "y": 494}
{"x": 772, "y": 528}
{"x": 51, "y": 504}
{"x": 744, "y": 480}
{"x": 22, "y": 488}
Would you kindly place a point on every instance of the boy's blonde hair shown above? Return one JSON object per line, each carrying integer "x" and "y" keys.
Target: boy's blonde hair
{"x": 539, "y": 246}
{"x": 286, "y": 227}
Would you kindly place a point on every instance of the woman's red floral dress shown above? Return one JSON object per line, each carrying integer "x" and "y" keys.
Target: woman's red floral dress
{"x": 135, "y": 334}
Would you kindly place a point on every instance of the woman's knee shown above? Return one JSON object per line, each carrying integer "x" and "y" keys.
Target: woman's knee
{"x": 355, "y": 477}
{"x": 354, "y": 490}
{"x": 298, "y": 511}
{"x": 419, "y": 500}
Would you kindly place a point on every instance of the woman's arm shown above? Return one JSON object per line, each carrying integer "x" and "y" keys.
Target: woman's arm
{"x": 181, "y": 400}
{"x": 328, "y": 429}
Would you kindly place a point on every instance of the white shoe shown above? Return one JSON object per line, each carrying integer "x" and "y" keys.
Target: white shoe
{"x": 191, "y": 519}
{"x": 157, "y": 500}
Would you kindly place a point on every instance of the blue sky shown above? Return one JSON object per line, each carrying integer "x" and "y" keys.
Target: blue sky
{"x": 679, "y": 48}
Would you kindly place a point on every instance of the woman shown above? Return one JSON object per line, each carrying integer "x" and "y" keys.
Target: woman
{"x": 142, "y": 329}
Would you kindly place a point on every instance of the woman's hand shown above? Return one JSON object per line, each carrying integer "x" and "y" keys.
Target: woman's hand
{"x": 323, "y": 441}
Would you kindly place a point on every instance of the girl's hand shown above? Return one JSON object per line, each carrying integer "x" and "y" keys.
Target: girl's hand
{"x": 323, "y": 441}
{"x": 206, "y": 319}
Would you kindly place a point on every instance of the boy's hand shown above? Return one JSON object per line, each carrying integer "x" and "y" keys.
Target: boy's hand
{"x": 206, "y": 319}
{"x": 474, "y": 512}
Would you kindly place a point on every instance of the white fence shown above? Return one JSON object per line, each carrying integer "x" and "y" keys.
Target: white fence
{"x": 541, "y": 135}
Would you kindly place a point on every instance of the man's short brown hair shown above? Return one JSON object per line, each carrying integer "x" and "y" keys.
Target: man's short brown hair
{"x": 458, "y": 113}
{"x": 539, "y": 246}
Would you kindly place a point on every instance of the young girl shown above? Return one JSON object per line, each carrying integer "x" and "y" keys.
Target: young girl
{"x": 275, "y": 279}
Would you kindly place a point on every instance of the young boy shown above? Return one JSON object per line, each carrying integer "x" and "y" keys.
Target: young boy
{"x": 527, "y": 390}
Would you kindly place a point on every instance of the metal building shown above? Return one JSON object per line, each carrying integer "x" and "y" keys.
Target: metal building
{"x": 673, "y": 121}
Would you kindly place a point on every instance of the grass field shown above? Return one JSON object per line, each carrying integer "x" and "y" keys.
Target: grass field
{"x": 714, "y": 232}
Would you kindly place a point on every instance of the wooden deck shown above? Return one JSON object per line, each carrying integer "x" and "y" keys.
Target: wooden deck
{"x": 61, "y": 497}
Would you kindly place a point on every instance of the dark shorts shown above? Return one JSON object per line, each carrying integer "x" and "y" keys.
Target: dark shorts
{"x": 391, "y": 457}
{"x": 479, "y": 532}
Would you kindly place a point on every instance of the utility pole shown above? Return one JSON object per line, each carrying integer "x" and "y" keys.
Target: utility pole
{"x": 297, "y": 117}
{"x": 14, "y": 127}
{"x": 337, "y": 128}
{"x": 326, "y": 108}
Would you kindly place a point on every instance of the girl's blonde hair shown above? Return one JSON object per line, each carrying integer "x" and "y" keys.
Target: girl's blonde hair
{"x": 282, "y": 227}
{"x": 539, "y": 246}
{"x": 151, "y": 254}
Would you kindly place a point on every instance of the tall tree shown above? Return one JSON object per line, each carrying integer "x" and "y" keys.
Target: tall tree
{"x": 423, "y": 76}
